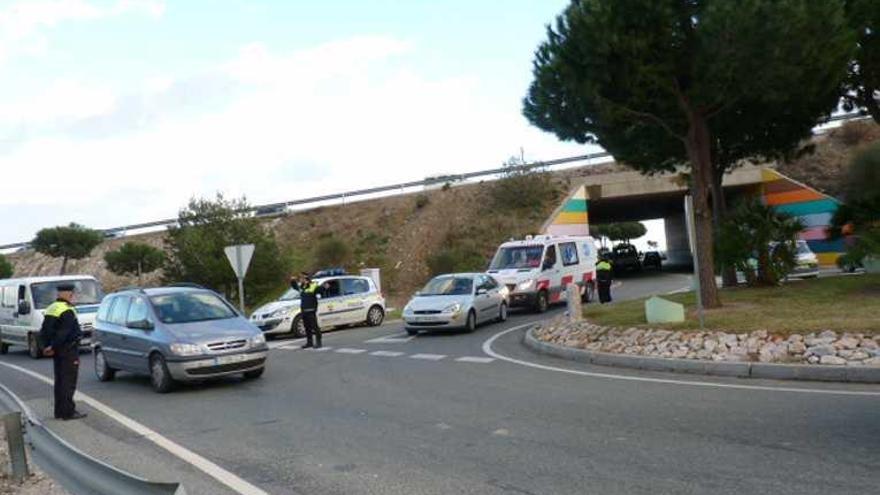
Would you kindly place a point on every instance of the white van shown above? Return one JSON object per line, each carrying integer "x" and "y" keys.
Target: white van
{"x": 536, "y": 270}
{"x": 23, "y": 301}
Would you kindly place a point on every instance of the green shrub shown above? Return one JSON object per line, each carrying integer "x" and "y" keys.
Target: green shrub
{"x": 422, "y": 201}
{"x": 522, "y": 189}
{"x": 331, "y": 252}
{"x": 456, "y": 259}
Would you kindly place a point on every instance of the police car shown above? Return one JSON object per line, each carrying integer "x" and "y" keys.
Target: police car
{"x": 350, "y": 300}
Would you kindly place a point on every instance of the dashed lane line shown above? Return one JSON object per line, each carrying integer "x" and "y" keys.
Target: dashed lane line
{"x": 349, "y": 350}
{"x": 475, "y": 359}
{"x": 225, "y": 477}
{"x": 428, "y": 357}
{"x": 397, "y": 338}
{"x": 487, "y": 348}
{"x": 387, "y": 353}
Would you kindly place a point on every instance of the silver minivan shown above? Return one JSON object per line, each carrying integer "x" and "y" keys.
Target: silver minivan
{"x": 175, "y": 334}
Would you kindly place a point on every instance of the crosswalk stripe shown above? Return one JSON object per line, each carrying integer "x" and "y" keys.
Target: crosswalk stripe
{"x": 429, "y": 357}
{"x": 475, "y": 359}
{"x": 386, "y": 353}
{"x": 348, "y": 350}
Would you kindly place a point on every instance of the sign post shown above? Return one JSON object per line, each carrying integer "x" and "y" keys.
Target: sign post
{"x": 240, "y": 258}
{"x": 692, "y": 240}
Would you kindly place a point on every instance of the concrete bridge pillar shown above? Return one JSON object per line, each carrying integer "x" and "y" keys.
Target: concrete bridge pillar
{"x": 678, "y": 252}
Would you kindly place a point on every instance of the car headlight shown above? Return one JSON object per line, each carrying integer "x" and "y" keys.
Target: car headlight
{"x": 526, "y": 284}
{"x": 279, "y": 312}
{"x": 407, "y": 308}
{"x": 258, "y": 339}
{"x": 452, "y": 308}
{"x": 186, "y": 349}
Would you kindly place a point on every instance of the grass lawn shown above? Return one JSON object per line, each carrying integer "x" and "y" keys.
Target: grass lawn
{"x": 849, "y": 304}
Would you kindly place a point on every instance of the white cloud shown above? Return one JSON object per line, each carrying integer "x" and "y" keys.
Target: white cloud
{"x": 347, "y": 114}
{"x": 23, "y": 24}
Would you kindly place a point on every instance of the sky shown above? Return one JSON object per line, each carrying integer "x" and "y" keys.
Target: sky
{"x": 115, "y": 112}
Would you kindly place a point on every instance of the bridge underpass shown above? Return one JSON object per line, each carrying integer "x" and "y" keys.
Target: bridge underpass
{"x": 630, "y": 196}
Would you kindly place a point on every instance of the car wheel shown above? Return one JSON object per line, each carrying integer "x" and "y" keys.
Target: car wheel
{"x": 102, "y": 370}
{"x": 412, "y": 331}
{"x": 471, "y": 323}
{"x": 254, "y": 374}
{"x": 298, "y": 327}
{"x": 541, "y": 304}
{"x": 375, "y": 316}
{"x": 4, "y": 348}
{"x": 160, "y": 377}
{"x": 589, "y": 290}
{"x": 34, "y": 349}
{"x": 502, "y": 313}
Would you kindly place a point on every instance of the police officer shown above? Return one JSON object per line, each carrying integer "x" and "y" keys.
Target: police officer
{"x": 308, "y": 297}
{"x": 61, "y": 335}
{"x": 603, "y": 279}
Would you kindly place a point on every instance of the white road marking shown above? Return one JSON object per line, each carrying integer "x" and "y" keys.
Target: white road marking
{"x": 323, "y": 348}
{"x": 429, "y": 357}
{"x": 348, "y": 350}
{"x": 386, "y": 353}
{"x": 225, "y": 477}
{"x": 291, "y": 344}
{"x": 397, "y": 338}
{"x": 475, "y": 359}
{"x": 487, "y": 348}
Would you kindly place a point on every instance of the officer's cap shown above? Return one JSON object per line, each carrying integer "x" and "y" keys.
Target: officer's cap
{"x": 65, "y": 287}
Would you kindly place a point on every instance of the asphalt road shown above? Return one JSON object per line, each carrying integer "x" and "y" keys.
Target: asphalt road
{"x": 381, "y": 413}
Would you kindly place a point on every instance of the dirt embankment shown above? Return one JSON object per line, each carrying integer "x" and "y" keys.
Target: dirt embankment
{"x": 405, "y": 230}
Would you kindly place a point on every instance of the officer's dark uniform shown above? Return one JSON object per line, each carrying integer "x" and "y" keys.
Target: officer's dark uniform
{"x": 62, "y": 333}
{"x": 603, "y": 279}
{"x": 308, "y": 294}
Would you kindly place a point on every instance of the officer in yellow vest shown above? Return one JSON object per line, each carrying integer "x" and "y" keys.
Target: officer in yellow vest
{"x": 603, "y": 279}
{"x": 308, "y": 297}
{"x": 61, "y": 334}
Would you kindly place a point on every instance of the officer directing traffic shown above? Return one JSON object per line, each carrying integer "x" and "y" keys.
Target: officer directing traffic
{"x": 308, "y": 296}
{"x": 61, "y": 335}
{"x": 603, "y": 278}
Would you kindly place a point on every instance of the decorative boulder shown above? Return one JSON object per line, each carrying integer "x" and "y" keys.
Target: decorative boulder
{"x": 659, "y": 310}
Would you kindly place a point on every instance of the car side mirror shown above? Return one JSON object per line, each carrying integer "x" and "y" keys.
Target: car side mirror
{"x": 24, "y": 307}
{"x": 141, "y": 324}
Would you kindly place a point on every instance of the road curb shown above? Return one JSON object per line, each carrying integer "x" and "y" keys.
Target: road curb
{"x": 856, "y": 374}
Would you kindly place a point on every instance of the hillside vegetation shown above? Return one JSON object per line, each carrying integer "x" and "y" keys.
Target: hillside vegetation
{"x": 451, "y": 228}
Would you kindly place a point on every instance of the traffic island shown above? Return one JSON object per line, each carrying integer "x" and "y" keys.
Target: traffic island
{"x": 708, "y": 353}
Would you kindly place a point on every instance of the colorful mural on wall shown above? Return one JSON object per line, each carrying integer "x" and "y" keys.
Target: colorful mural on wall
{"x": 812, "y": 207}
{"x": 573, "y": 217}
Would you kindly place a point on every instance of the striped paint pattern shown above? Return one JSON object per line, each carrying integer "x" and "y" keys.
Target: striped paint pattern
{"x": 573, "y": 217}
{"x": 813, "y": 208}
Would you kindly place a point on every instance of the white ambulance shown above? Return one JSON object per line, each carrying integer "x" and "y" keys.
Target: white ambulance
{"x": 537, "y": 269}
{"x": 23, "y": 301}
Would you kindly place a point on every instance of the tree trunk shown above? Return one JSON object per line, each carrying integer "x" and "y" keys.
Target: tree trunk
{"x": 719, "y": 213}
{"x": 700, "y": 156}
{"x": 139, "y": 272}
{"x": 63, "y": 265}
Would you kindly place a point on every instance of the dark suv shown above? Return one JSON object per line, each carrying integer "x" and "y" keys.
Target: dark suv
{"x": 175, "y": 334}
{"x": 625, "y": 257}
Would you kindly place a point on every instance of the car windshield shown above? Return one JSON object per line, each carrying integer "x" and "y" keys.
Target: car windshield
{"x": 187, "y": 307}
{"x": 803, "y": 248}
{"x": 290, "y": 295}
{"x": 517, "y": 257}
{"x": 448, "y": 286}
{"x": 86, "y": 291}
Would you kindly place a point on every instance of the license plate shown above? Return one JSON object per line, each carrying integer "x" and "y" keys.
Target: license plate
{"x": 235, "y": 358}
{"x": 426, "y": 318}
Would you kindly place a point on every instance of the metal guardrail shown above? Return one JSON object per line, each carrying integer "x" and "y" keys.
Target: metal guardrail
{"x": 451, "y": 178}
{"x": 77, "y": 472}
